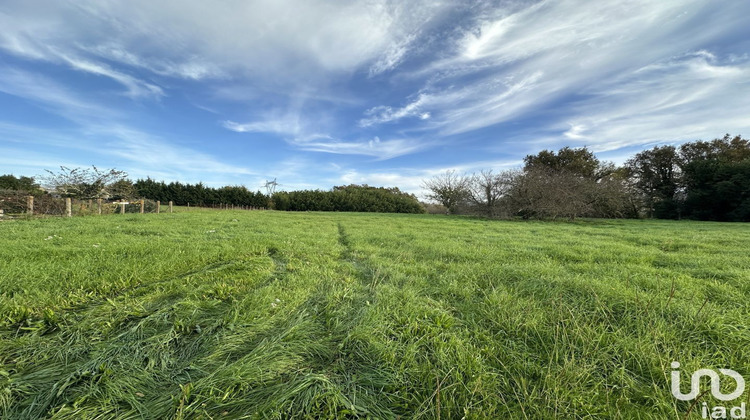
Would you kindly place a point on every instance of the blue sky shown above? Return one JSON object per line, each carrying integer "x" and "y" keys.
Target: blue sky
{"x": 323, "y": 93}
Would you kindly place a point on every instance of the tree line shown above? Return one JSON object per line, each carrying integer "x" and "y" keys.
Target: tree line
{"x": 198, "y": 194}
{"x": 361, "y": 198}
{"x": 113, "y": 185}
{"x": 703, "y": 180}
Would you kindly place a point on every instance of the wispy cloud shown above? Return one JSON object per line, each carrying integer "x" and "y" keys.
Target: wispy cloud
{"x": 139, "y": 153}
{"x": 381, "y": 149}
{"x": 384, "y": 114}
{"x": 284, "y": 126}
{"x": 182, "y": 38}
{"x": 683, "y": 98}
{"x": 297, "y": 136}
{"x": 19, "y": 40}
{"x": 135, "y": 88}
{"x": 191, "y": 68}
{"x": 50, "y": 95}
{"x": 412, "y": 179}
{"x": 362, "y": 85}
{"x": 517, "y": 64}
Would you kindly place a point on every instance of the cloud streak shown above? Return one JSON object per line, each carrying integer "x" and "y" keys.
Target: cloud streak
{"x": 363, "y": 86}
{"x": 51, "y": 95}
{"x": 520, "y": 64}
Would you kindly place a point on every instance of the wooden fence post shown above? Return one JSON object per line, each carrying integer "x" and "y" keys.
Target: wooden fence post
{"x": 170, "y": 206}
{"x": 142, "y": 206}
{"x": 68, "y": 207}
{"x": 30, "y": 205}
{"x": 158, "y": 206}
{"x": 122, "y": 208}
{"x": 99, "y": 205}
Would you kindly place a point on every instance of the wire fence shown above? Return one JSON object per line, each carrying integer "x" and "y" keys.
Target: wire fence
{"x": 17, "y": 203}
{"x": 14, "y": 204}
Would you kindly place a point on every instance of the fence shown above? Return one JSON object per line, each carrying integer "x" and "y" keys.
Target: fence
{"x": 16, "y": 203}
{"x": 13, "y": 204}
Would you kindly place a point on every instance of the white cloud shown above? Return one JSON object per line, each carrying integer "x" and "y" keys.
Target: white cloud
{"x": 291, "y": 126}
{"x": 279, "y": 42}
{"x": 51, "y": 95}
{"x": 685, "y": 98}
{"x": 277, "y": 126}
{"x": 576, "y": 132}
{"x": 41, "y": 35}
{"x": 411, "y": 179}
{"x": 136, "y": 88}
{"x": 381, "y": 149}
{"x": 384, "y": 114}
{"x": 392, "y": 56}
{"x": 140, "y": 154}
{"x": 147, "y": 150}
{"x": 191, "y": 67}
{"x": 329, "y": 75}
{"x": 303, "y": 134}
{"x": 516, "y": 64}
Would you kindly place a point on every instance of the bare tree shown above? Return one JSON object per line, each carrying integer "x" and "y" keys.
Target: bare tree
{"x": 449, "y": 189}
{"x": 487, "y": 188}
{"x": 84, "y": 183}
{"x": 543, "y": 193}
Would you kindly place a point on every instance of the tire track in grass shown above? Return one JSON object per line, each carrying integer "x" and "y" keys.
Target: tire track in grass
{"x": 165, "y": 325}
{"x": 79, "y": 310}
{"x": 366, "y": 274}
{"x": 272, "y": 253}
{"x": 351, "y": 365}
{"x": 331, "y": 362}
{"x": 335, "y": 366}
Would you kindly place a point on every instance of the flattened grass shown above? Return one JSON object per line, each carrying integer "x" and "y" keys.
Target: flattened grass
{"x": 222, "y": 314}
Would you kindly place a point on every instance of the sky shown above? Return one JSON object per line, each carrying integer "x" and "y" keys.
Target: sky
{"x": 320, "y": 93}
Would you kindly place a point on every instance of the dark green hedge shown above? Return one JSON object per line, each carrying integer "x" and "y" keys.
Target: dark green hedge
{"x": 361, "y": 198}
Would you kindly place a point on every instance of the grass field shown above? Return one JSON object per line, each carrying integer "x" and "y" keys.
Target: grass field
{"x": 223, "y": 314}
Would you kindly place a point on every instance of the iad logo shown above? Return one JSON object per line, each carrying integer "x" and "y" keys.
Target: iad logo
{"x": 718, "y": 412}
{"x": 695, "y": 383}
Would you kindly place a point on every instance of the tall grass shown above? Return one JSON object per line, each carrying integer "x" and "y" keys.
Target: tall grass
{"x": 228, "y": 314}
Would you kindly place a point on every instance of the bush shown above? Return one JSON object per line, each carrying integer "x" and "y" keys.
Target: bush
{"x": 361, "y": 198}
{"x": 12, "y": 201}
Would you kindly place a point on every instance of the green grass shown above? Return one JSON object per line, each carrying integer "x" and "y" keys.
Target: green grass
{"x": 230, "y": 314}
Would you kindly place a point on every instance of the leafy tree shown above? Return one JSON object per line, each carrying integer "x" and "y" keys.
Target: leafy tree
{"x": 726, "y": 149}
{"x": 655, "y": 175}
{"x": 122, "y": 189}
{"x": 717, "y": 179}
{"x": 23, "y": 183}
{"x": 580, "y": 162}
